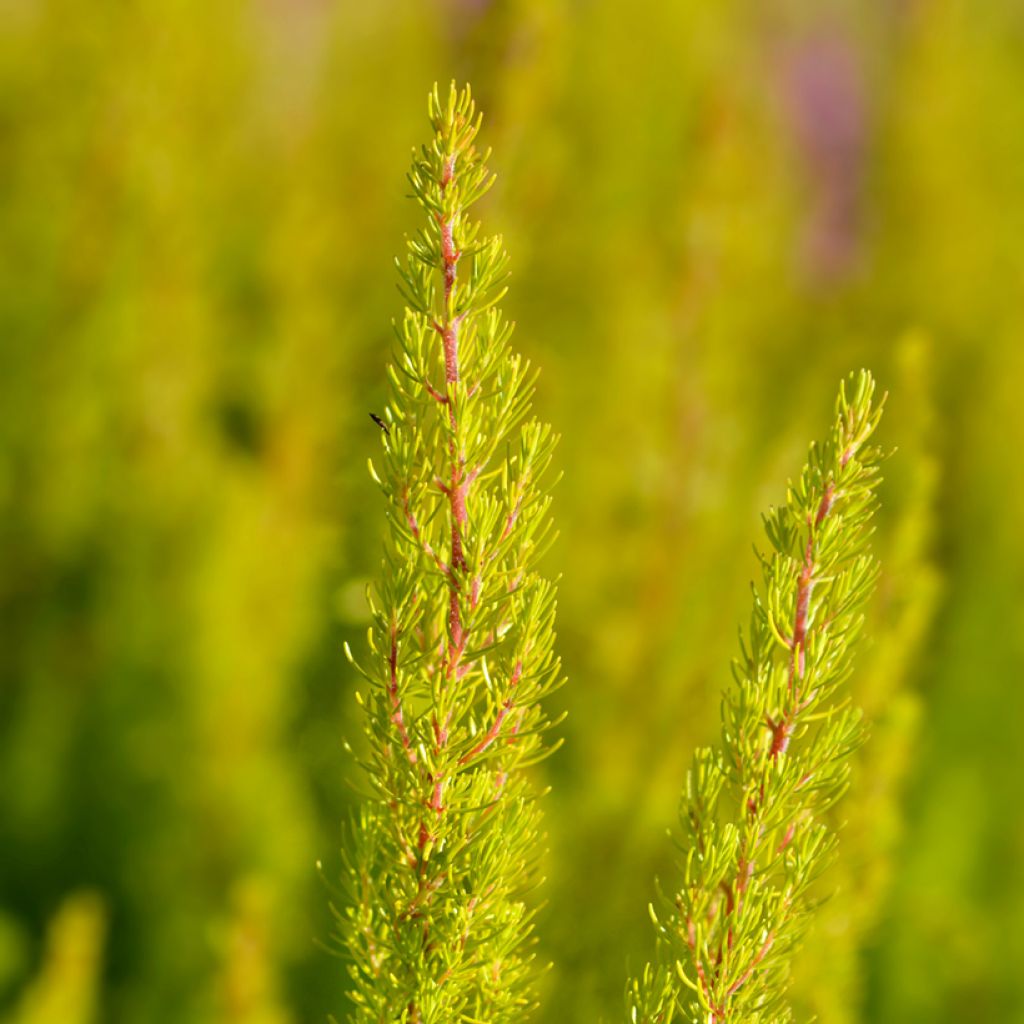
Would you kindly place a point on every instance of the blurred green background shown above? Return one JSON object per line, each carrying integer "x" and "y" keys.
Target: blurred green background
{"x": 714, "y": 209}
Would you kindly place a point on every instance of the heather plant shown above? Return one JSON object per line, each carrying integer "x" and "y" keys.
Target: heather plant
{"x": 445, "y": 848}
{"x": 829, "y": 978}
{"x": 197, "y": 205}
{"x": 754, "y": 834}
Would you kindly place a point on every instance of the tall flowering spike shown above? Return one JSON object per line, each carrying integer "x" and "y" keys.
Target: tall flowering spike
{"x": 755, "y": 834}
{"x": 445, "y": 849}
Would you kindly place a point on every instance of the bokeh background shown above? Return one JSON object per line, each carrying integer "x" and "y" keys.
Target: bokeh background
{"x": 715, "y": 209}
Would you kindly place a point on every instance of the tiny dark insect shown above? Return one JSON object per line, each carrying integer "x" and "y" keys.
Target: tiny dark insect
{"x": 380, "y": 423}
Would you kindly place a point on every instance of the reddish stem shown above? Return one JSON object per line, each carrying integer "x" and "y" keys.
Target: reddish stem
{"x": 456, "y": 490}
{"x": 745, "y": 976}
{"x": 492, "y": 733}
{"x": 397, "y": 718}
{"x": 781, "y": 733}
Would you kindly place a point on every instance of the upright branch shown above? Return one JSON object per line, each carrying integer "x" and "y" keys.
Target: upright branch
{"x": 445, "y": 849}
{"x": 755, "y": 834}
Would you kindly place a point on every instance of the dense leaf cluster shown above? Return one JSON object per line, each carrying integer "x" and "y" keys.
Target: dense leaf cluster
{"x": 754, "y": 831}
{"x": 445, "y": 849}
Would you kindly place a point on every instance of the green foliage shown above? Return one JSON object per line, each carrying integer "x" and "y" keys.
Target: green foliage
{"x": 66, "y": 989}
{"x": 197, "y": 203}
{"x": 829, "y": 970}
{"x": 754, "y": 835}
{"x": 446, "y": 846}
